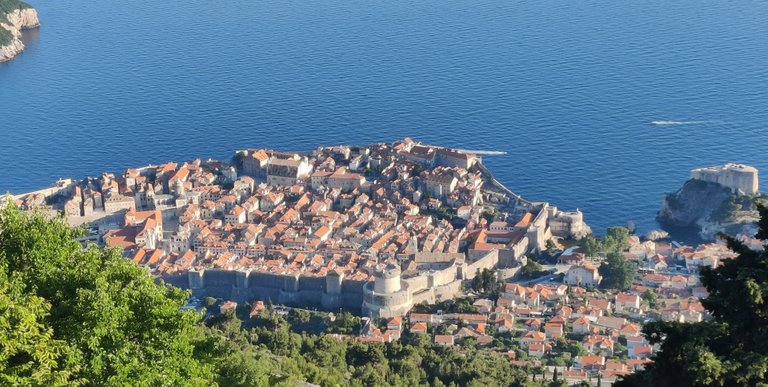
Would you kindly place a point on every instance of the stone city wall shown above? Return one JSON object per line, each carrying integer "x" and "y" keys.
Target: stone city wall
{"x": 279, "y": 288}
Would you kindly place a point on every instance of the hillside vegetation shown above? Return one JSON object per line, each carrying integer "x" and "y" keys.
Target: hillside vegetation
{"x": 7, "y": 6}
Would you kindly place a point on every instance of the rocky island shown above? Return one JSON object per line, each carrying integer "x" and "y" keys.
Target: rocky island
{"x": 15, "y": 16}
{"x": 714, "y": 199}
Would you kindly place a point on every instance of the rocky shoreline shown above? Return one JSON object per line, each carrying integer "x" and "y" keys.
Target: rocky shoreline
{"x": 715, "y": 199}
{"x": 17, "y": 20}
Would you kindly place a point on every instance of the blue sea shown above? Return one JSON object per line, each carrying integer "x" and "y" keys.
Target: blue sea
{"x": 568, "y": 88}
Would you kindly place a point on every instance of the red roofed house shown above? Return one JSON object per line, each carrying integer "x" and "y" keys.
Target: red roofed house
{"x": 581, "y": 326}
{"x": 419, "y": 327}
{"x": 539, "y": 349}
{"x": 228, "y": 306}
{"x": 553, "y": 330}
{"x": 589, "y": 362}
{"x": 625, "y": 301}
{"x": 444, "y": 339}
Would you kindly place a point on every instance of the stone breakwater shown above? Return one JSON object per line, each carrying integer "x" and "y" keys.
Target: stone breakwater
{"x": 17, "y": 20}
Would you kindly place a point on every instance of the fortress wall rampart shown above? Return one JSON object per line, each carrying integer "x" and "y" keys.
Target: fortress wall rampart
{"x": 315, "y": 284}
{"x": 435, "y": 257}
{"x": 219, "y": 278}
{"x": 215, "y": 291}
{"x": 431, "y": 278}
{"x": 333, "y": 284}
{"x": 241, "y": 279}
{"x": 489, "y": 261}
{"x": 177, "y": 280}
{"x": 473, "y": 255}
{"x": 64, "y": 189}
{"x": 264, "y": 294}
{"x": 310, "y": 291}
{"x": 733, "y": 176}
{"x": 418, "y": 282}
{"x": 195, "y": 279}
{"x": 442, "y": 277}
{"x": 262, "y": 279}
{"x": 426, "y": 266}
{"x": 447, "y": 291}
{"x": 510, "y": 258}
{"x": 352, "y": 286}
{"x": 280, "y": 288}
{"x": 425, "y": 296}
{"x": 301, "y": 298}
{"x": 290, "y": 282}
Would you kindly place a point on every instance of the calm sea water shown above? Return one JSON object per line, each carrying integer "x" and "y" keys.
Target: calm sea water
{"x": 568, "y": 88}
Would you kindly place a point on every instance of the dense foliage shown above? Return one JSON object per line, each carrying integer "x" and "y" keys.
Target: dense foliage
{"x": 617, "y": 272}
{"x": 7, "y": 6}
{"x": 456, "y": 305}
{"x": 487, "y": 283}
{"x": 531, "y": 270}
{"x": 90, "y": 317}
{"x": 616, "y": 239}
{"x": 412, "y": 361}
{"x": 731, "y": 349}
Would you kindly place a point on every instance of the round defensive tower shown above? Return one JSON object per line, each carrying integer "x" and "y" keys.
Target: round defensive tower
{"x": 387, "y": 280}
{"x": 387, "y": 295}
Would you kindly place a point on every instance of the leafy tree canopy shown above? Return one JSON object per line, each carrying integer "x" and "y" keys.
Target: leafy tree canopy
{"x": 616, "y": 239}
{"x": 617, "y": 272}
{"x": 86, "y": 317}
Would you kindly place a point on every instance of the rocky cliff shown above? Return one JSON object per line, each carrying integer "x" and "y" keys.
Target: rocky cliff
{"x": 12, "y": 21}
{"x": 692, "y": 203}
{"x": 707, "y": 208}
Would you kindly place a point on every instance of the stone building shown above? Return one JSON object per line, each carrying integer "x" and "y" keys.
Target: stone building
{"x": 738, "y": 177}
{"x": 387, "y": 295}
{"x": 288, "y": 171}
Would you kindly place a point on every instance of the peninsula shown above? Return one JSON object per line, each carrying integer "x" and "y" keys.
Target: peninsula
{"x": 15, "y": 16}
{"x": 374, "y": 229}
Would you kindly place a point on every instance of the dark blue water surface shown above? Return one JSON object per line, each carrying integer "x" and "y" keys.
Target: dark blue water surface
{"x": 568, "y": 88}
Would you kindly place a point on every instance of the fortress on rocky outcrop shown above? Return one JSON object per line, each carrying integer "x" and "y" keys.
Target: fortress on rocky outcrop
{"x": 739, "y": 178}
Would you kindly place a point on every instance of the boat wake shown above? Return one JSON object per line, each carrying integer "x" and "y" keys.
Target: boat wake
{"x": 682, "y": 122}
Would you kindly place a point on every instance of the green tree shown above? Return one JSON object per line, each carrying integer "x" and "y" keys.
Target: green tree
{"x": 591, "y": 246}
{"x": 485, "y": 281}
{"x": 617, "y": 272}
{"x": 345, "y": 322}
{"x": 731, "y": 349}
{"x": 532, "y": 269}
{"x": 616, "y": 239}
{"x": 208, "y": 302}
{"x": 29, "y": 355}
{"x": 117, "y": 324}
{"x": 650, "y": 297}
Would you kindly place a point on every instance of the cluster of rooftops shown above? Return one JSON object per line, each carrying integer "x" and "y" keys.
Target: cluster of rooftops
{"x": 341, "y": 209}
